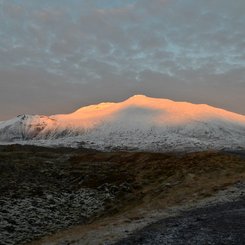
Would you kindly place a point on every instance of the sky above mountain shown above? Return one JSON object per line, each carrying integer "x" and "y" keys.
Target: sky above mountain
{"x": 56, "y": 56}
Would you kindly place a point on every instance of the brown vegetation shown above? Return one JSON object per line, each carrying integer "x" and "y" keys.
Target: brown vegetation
{"x": 145, "y": 180}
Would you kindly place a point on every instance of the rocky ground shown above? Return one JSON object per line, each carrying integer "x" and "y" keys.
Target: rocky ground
{"x": 23, "y": 219}
{"x": 102, "y": 197}
{"x": 219, "y": 223}
{"x": 41, "y": 193}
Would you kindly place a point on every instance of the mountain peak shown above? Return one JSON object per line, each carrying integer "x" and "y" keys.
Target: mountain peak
{"x": 140, "y": 122}
{"x": 141, "y": 98}
{"x": 138, "y": 96}
{"x": 138, "y": 99}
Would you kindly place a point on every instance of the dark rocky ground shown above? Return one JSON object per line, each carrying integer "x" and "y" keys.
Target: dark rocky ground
{"x": 44, "y": 190}
{"x": 222, "y": 223}
{"x": 41, "y": 191}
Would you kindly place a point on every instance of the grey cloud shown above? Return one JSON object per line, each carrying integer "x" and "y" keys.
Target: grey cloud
{"x": 80, "y": 52}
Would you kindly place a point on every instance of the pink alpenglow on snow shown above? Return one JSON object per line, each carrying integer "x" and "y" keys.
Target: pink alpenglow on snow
{"x": 139, "y": 122}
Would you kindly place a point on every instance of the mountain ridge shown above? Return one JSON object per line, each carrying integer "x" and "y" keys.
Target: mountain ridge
{"x": 140, "y": 122}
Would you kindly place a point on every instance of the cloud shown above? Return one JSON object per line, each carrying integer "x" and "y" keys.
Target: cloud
{"x": 88, "y": 51}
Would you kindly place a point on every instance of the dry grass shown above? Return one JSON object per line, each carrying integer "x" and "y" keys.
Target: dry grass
{"x": 155, "y": 180}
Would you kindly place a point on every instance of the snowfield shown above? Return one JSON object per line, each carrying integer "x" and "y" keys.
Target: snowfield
{"x": 139, "y": 123}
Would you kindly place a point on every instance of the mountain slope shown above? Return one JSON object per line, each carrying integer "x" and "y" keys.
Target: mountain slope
{"x": 138, "y": 123}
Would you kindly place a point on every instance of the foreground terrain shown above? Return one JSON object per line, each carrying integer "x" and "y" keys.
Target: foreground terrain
{"x": 220, "y": 223}
{"x": 103, "y": 197}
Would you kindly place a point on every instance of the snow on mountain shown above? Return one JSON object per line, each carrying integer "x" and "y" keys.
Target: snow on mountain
{"x": 140, "y": 123}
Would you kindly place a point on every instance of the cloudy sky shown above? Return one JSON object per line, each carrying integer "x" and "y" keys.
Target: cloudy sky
{"x": 58, "y": 55}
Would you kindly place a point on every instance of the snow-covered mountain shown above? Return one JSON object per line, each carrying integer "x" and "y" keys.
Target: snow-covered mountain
{"x": 140, "y": 123}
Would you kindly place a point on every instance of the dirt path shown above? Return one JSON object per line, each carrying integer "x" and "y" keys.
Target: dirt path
{"x": 223, "y": 223}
